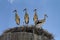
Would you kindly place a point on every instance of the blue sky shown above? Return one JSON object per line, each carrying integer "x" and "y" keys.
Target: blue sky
{"x": 50, "y": 7}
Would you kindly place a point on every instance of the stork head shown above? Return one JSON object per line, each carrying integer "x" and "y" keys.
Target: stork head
{"x": 25, "y": 9}
{"x": 15, "y": 10}
{"x": 35, "y": 9}
{"x": 45, "y": 16}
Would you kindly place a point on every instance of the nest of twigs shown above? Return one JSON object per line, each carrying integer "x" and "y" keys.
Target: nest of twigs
{"x": 37, "y": 31}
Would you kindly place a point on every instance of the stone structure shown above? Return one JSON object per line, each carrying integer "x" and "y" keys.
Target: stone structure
{"x": 26, "y": 33}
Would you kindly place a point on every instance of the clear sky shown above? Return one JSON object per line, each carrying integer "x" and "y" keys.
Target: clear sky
{"x": 50, "y": 7}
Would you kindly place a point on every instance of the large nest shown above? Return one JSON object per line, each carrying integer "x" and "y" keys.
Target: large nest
{"x": 30, "y": 29}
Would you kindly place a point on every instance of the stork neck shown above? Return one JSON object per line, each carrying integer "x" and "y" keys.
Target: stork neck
{"x": 45, "y": 17}
{"x": 25, "y": 11}
{"x": 35, "y": 12}
{"x": 15, "y": 12}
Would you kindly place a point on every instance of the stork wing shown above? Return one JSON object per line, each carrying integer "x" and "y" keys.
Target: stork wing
{"x": 41, "y": 21}
{"x": 17, "y": 19}
{"x": 35, "y": 18}
{"x": 26, "y": 17}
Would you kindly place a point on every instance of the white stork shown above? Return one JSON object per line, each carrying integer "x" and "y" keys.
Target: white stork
{"x": 35, "y": 18}
{"x": 42, "y": 21}
{"x": 26, "y": 17}
{"x": 17, "y": 19}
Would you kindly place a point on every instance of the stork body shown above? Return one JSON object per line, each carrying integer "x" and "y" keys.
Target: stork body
{"x": 26, "y": 17}
{"x": 35, "y": 18}
{"x": 42, "y": 21}
{"x": 17, "y": 19}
